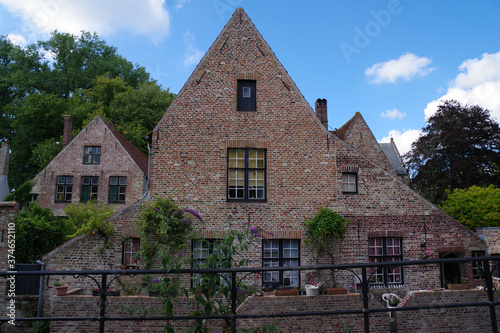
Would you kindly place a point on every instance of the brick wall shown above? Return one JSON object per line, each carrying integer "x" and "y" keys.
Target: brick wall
{"x": 465, "y": 319}
{"x": 68, "y": 306}
{"x": 491, "y": 237}
{"x": 115, "y": 161}
{"x": 439, "y": 320}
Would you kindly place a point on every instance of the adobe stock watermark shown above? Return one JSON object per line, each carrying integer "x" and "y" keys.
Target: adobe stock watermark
{"x": 363, "y": 36}
{"x": 223, "y": 6}
{"x": 11, "y": 279}
{"x": 46, "y": 11}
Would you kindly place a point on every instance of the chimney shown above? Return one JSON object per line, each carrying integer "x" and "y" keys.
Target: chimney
{"x": 4, "y": 159}
{"x": 320, "y": 109}
{"x": 68, "y": 127}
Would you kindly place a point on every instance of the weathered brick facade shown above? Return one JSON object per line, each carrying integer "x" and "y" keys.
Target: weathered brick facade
{"x": 118, "y": 158}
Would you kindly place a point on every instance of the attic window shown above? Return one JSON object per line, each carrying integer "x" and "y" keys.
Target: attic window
{"x": 92, "y": 155}
{"x": 247, "y": 100}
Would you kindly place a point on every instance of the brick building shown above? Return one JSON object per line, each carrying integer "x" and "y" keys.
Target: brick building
{"x": 98, "y": 164}
{"x": 240, "y": 140}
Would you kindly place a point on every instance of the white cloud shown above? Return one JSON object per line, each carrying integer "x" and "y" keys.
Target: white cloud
{"x": 145, "y": 17}
{"x": 478, "y": 83}
{"x": 403, "y": 140}
{"x": 192, "y": 55}
{"x": 17, "y": 39}
{"x": 393, "y": 114}
{"x": 406, "y": 67}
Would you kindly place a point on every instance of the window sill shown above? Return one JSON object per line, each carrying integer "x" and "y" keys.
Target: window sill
{"x": 246, "y": 201}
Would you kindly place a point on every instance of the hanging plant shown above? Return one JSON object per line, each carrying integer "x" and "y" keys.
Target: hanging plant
{"x": 323, "y": 230}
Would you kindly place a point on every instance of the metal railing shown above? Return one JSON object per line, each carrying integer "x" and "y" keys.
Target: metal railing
{"x": 104, "y": 278}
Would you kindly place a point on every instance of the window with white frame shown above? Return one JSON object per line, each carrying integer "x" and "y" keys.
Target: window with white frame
{"x": 280, "y": 253}
{"x": 385, "y": 249}
{"x": 349, "y": 183}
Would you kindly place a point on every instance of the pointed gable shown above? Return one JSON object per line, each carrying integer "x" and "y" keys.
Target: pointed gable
{"x": 190, "y": 143}
{"x": 97, "y": 162}
{"x": 357, "y": 134}
{"x": 135, "y": 153}
{"x": 239, "y": 53}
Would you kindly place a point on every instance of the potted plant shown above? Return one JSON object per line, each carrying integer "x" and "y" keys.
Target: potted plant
{"x": 109, "y": 292}
{"x": 393, "y": 301}
{"x": 60, "y": 290}
{"x": 324, "y": 230}
{"x": 286, "y": 292}
{"x": 459, "y": 286}
{"x": 313, "y": 284}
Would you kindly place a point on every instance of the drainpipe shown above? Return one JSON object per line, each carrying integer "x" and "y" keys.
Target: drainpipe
{"x": 148, "y": 139}
{"x": 40, "y": 290}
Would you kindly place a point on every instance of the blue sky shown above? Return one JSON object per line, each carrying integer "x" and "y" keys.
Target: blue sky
{"x": 391, "y": 60}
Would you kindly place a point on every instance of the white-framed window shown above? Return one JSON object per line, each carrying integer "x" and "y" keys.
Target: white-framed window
{"x": 349, "y": 182}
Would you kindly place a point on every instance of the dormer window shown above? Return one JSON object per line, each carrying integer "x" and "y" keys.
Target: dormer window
{"x": 92, "y": 155}
{"x": 247, "y": 100}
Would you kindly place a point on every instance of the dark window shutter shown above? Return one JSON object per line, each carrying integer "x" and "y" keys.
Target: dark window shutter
{"x": 247, "y": 100}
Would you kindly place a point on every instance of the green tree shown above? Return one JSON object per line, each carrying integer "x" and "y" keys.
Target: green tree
{"x": 90, "y": 218}
{"x": 459, "y": 148}
{"x": 21, "y": 194}
{"x": 474, "y": 207}
{"x": 38, "y": 232}
{"x": 35, "y": 90}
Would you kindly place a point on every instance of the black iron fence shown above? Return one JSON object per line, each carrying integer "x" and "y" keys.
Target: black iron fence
{"x": 363, "y": 272}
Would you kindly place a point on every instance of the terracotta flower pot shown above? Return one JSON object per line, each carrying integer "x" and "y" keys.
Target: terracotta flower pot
{"x": 460, "y": 286}
{"x": 337, "y": 291}
{"x": 61, "y": 290}
{"x": 286, "y": 292}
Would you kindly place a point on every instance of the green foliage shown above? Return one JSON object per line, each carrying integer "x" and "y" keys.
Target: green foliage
{"x": 45, "y": 151}
{"x": 324, "y": 228}
{"x": 165, "y": 232}
{"x": 474, "y": 207}
{"x": 36, "y": 91}
{"x": 21, "y": 194}
{"x": 459, "y": 148}
{"x": 38, "y": 232}
{"x": 90, "y": 218}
